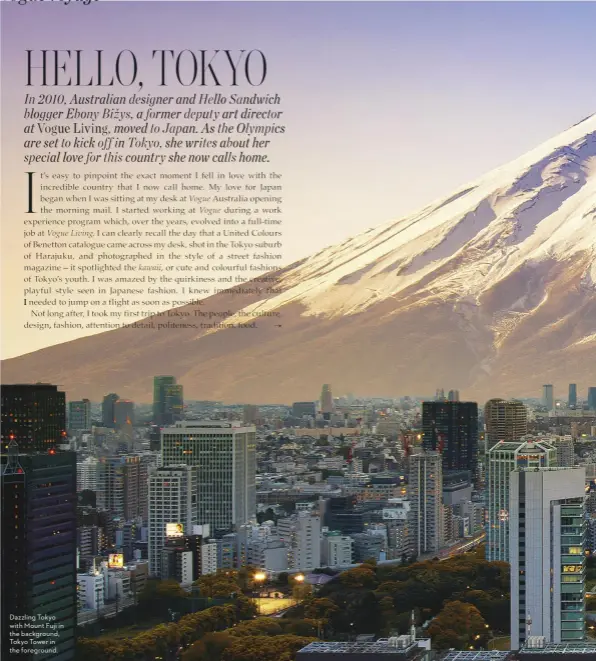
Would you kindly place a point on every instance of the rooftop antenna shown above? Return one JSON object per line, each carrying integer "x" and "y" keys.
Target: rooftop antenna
{"x": 13, "y": 467}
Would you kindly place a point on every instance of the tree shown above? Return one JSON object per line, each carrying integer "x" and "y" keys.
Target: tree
{"x": 209, "y": 648}
{"x": 458, "y": 625}
{"x": 320, "y": 609}
{"x": 263, "y": 648}
{"x": 282, "y": 579}
{"x": 301, "y": 591}
{"x": 359, "y": 577}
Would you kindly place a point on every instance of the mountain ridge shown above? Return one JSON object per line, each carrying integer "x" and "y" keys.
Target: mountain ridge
{"x": 505, "y": 266}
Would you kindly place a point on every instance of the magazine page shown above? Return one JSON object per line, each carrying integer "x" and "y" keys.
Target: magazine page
{"x": 298, "y": 330}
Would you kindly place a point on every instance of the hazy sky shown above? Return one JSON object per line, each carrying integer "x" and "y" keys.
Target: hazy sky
{"x": 388, "y": 105}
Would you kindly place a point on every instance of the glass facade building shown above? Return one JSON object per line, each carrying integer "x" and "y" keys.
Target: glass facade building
{"x": 503, "y": 458}
{"x": 39, "y": 546}
{"x": 224, "y": 454}
{"x": 547, "y": 554}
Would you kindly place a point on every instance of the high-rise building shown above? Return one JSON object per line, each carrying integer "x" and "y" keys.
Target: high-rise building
{"x": 160, "y": 393}
{"x": 504, "y": 421}
{"x": 79, "y": 415}
{"x": 451, "y": 428}
{"x": 572, "y": 399}
{"x": 87, "y": 474}
{"x": 425, "y": 491}
{"x": 565, "y": 450}
{"x": 124, "y": 413}
{"x": 34, "y": 416}
{"x": 326, "y": 400}
{"x": 548, "y": 397}
{"x": 547, "y": 545}
{"x": 39, "y": 555}
{"x": 592, "y": 398}
{"x": 301, "y": 533}
{"x": 250, "y": 414}
{"x": 503, "y": 458}
{"x": 174, "y": 403}
{"x": 172, "y": 509}
{"x": 301, "y": 409}
{"x": 453, "y": 396}
{"x": 225, "y": 455}
{"x": 108, "y": 415}
{"x": 121, "y": 485}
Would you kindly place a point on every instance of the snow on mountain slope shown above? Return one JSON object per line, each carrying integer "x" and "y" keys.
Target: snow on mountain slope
{"x": 541, "y": 206}
{"x": 491, "y": 290}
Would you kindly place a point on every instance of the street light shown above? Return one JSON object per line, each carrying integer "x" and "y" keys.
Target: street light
{"x": 299, "y": 578}
{"x": 258, "y": 578}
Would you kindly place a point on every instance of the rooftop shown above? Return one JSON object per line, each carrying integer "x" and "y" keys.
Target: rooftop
{"x": 561, "y": 649}
{"x": 377, "y": 647}
{"x": 476, "y": 655}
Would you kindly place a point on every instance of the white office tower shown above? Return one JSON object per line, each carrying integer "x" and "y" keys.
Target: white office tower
{"x": 87, "y": 472}
{"x": 425, "y": 493}
{"x": 224, "y": 454}
{"x": 209, "y": 557}
{"x": 503, "y": 458}
{"x": 301, "y": 533}
{"x": 337, "y": 550}
{"x": 547, "y": 546}
{"x": 172, "y": 508}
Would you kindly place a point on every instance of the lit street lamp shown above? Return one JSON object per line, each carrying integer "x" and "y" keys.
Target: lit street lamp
{"x": 259, "y": 578}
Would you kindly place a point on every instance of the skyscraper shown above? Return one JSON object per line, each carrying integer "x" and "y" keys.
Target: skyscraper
{"x": 250, "y": 414}
{"x": 326, "y": 400}
{"x": 39, "y": 545}
{"x": 503, "y": 458}
{"x": 547, "y": 544}
{"x": 124, "y": 412}
{"x": 174, "y": 403}
{"x": 160, "y": 384}
{"x": 565, "y": 450}
{"x": 172, "y": 508}
{"x": 108, "y": 415}
{"x": 592, "y": 398}
{"x": 572, "y": 399}
{"x": 453, "y": 396}
{"x": 548, "y": 397}
{"x": 121, "y": 484}
{"x": 34, "y": 416}
{"x": 425, "y": 491}
{"x": 451, "y": 428}
{"x": 79, "y": 415}
{"x": 225, "y": 455}
{"x": 504, "y": 421}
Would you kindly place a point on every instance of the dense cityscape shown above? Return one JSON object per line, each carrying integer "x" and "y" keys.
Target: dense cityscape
{"x": 424, "y": 527}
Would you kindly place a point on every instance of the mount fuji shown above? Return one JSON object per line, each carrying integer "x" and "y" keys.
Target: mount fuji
{"x": 491, "y": 290}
